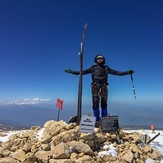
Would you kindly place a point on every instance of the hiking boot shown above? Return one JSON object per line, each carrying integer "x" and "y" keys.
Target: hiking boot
{"x": 97, "y": 124}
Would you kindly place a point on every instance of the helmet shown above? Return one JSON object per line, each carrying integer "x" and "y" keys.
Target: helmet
{"x": 99, "y": 56}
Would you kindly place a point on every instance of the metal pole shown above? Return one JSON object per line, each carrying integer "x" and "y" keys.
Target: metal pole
{"x": 79, "y": 110}
{"x": 58, "y": 114}
{"x": 153, "y": 138}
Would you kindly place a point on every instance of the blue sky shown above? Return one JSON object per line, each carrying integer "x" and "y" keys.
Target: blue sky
{"x": 40, "y": 39}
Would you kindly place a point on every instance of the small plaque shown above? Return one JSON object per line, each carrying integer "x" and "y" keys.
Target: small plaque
{"x": 109, "y": 124}
{"x": 87, "y": 124}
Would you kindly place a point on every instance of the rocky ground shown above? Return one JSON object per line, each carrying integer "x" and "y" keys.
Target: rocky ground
{"x": 58, "y": 142}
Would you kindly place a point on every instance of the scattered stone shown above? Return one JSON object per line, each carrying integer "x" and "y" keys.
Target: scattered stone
{"x": 61, "y": 151}
{"x": 19, "y": 155}
{"x": 8, "y": 160}
{"x": 43, "y": 155}
{"x": 80, "y": 147}
{"x": 62, "y": 143}
{"x": 127, "y": 156}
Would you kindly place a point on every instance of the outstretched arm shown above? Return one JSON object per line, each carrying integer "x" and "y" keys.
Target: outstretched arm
{"x": 72, "y": 72}
{"x": 120, "y": 73}
{"x": 87, "y": 71}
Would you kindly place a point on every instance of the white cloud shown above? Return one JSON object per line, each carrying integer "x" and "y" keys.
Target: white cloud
{"x": 32, "y": 101}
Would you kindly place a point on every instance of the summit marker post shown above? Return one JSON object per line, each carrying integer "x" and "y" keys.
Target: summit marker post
{"x": 81, "y": 53}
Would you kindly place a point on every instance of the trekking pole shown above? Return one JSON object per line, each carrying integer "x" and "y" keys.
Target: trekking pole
{"x": 153, "y": 138}
{"x": 133, "y": 88}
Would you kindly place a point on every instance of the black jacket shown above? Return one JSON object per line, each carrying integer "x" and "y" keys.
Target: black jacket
{"x": 100, "y": 73}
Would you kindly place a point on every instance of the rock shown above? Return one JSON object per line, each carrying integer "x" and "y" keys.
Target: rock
{"x": 147, "y": 149}
{"x": 64, "y": 137}
{"x": 36, "y": 128}
{"x": 34, "y": 148}
{"x": 8, "y": 160}
{"x": 85, "y": 159}
{"x": 113, "y": 136}
{"x": 156, "y": 155}
{"x": 46, "y": 147}
{"x": 49, "y": 124}
{"x": 74, "y": 156}
{"x": 106, "y": 158}
{"x": 6, "y": 145}
{"x": 3, "y": 134}
{"x": 28, "y": 134}
{"x": 43, "y": 155}
{"x": 100, "y": 138}
{"x": 52, "y": 128}
{"x": 135, "y": 137}
{"x": 86, "y": 136}
{"x": 135, "y": 148}
{"x": 30, "y": 160}
{"x": 14, "y": 136}
{"x": 61, "y": 151}
{"x": 62, "y": 143}
{"x": 80, "y": 147}
{"x": 19, "y": 155}
{"x": 27, "y": 147}
{"x": 127, "y": 144}
{"x": 71, "y": 126}
{"x": 60, "y": 161}
{"x": 5, "y": 153}
{"x": 127, "y": 156}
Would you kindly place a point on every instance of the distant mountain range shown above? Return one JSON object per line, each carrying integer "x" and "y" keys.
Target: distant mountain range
{"x": 25, "y": 116}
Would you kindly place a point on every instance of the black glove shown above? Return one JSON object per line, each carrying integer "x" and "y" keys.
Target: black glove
{"x": 69, "y": 71}
{"x": 129, "y": 72}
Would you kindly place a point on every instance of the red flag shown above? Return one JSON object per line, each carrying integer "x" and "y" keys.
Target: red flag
{"x": 59, "y": 104}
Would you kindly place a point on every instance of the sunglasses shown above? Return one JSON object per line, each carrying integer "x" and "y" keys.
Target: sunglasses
{"x": 100, "y": 58}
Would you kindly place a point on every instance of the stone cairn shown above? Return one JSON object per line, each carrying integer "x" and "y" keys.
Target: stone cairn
{"x": 62, "y": 143}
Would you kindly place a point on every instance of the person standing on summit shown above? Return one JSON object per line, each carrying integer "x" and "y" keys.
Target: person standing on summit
{"x": 99, "y": 73}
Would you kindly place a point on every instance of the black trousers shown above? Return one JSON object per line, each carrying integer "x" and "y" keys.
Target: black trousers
{"x": 99, "y": 95}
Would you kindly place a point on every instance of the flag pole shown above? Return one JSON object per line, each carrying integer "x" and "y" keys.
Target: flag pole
{"x": 59, "y": 105}
{"x": 58, "y": 114}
